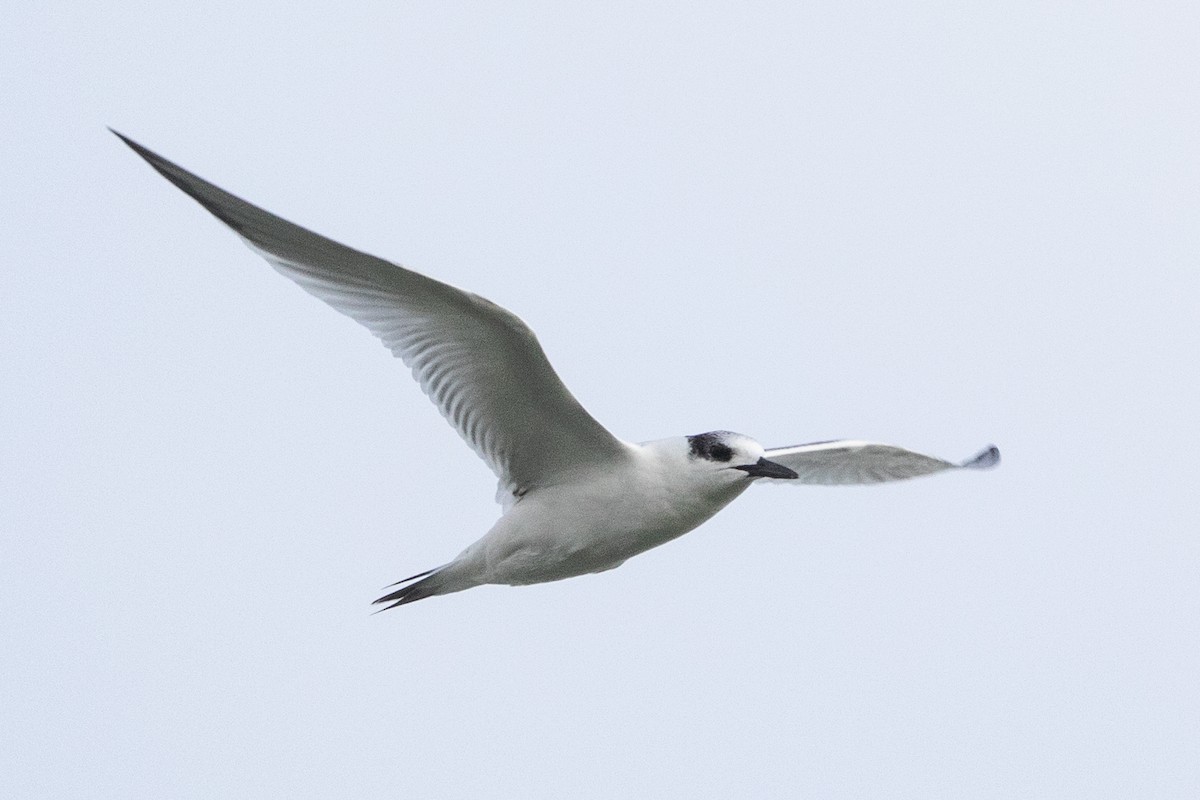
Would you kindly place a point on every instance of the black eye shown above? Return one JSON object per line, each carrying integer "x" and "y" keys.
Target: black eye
{"x": 710, "y": 446}
{"x": 720, "y": 452}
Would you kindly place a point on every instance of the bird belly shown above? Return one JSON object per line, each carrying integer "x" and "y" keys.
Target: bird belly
{"x": 559, "y": 534}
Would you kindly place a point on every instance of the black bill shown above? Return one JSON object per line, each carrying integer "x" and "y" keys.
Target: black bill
{"x": 767, "y": 469}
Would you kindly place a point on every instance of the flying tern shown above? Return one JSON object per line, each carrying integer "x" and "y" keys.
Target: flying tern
{"x": 575, "y": 498}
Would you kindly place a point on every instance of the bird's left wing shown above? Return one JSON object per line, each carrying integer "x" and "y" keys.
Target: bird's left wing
{"x": 848, "y": 461}
{"x": 479, "y": 363}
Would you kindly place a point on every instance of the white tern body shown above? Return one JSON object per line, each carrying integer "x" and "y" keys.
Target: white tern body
{"x": 576, "y": 499}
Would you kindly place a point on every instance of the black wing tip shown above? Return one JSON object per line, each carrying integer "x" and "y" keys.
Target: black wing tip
{"x": 986, "y": 458}
{"x": 168, "y": 169}
{"x": 142, "y": 151}
{"x": 218, "y": 202}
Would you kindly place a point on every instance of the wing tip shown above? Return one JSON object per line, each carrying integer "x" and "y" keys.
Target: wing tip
{"x": 986, "y": 458}
{"x": 221, "y": 204}
{"x": 167, "y": 169}
{"x": 149, "y": 155}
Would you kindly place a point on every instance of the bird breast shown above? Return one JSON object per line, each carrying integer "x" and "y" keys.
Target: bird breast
{"x": 595, "y": 524}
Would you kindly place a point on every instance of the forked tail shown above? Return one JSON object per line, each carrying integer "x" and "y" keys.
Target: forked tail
{"x": 433, "y": 581}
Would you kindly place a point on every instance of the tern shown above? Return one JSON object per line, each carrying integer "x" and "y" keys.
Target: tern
{"x": 576, "y": 499}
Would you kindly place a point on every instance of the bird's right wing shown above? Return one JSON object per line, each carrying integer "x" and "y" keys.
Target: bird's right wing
{"x": 479, "y": 363}
{"x": 853, "y": 462}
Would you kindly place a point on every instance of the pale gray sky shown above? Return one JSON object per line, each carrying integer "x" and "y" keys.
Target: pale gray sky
{"x": 927, "y": 224}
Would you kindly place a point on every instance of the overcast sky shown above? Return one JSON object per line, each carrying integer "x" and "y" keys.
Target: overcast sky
{"x": 928, "y": 224}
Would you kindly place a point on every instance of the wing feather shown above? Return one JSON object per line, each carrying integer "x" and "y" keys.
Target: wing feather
{"x": 479, "y": 363}
{"x": 849, "y": 461}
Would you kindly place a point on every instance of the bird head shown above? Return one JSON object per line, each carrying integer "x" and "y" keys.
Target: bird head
{"x": 733, "y": 454}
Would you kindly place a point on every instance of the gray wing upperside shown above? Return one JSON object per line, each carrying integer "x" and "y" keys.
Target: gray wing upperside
{"x": 848, "y": 461}
{"x": 480, "y": 364}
